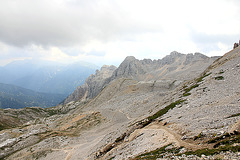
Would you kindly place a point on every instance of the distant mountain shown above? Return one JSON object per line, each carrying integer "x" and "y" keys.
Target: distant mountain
{"x": 16, "y": 97}
{"x": 46, "y": 76}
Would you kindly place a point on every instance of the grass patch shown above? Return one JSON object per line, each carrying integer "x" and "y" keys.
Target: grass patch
{"x": 200, "y": 135}
{"x": 209, "y": 152}
{"x": 234, "y": 115}
{"x": 226, "y": 139}
{"x": 186, "y": 94}
{"x": 204, "y": 151}
{"x": 225, "y": 142}
{"x": 200, "y": 79}
{"x": 190, "y": 88}
{"x": 35, "y": 109}
{"x": 216, "y": 139}
{"x": 158, "y": 153}
{"x": 52, "y": 112}
{"x": 165, "y": 110}
{"x": 161, "y": 112}
{"x": 219, "y": 78}
{"x": 221, "y": 72}
{"x": 2, "y": 127}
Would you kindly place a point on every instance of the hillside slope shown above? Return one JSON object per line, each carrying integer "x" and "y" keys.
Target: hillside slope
{"x": 135, "y": 116}
{"x": 202, "y": 119}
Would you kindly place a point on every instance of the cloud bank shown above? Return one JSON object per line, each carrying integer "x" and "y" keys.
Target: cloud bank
{"x": 105, "y": 31}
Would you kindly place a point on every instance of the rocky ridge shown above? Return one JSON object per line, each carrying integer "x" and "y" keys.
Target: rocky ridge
{"x": 182, "y": 65}
{"x": 178, "y": 110}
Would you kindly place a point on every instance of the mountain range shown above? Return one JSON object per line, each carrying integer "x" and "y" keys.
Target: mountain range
{"x": 46, "y": 76}
{"x": 183, "y": 106}
{"x": 28, "y": 83}
{"x": 16, "y": 97}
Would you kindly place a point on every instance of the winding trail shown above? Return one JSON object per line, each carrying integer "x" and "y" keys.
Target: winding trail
{"x": 177, "y": 137}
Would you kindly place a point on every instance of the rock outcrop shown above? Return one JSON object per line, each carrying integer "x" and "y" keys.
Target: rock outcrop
{"x": 236, "y": 45}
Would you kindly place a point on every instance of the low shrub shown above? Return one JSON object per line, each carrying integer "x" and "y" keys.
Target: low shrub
{"x": 219, "y": 78}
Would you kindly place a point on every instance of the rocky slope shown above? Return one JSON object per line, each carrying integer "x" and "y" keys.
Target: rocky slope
{"x": 92, "y": 86}
{"x": 183, "y": 106}
{"x": 175, "y": 66}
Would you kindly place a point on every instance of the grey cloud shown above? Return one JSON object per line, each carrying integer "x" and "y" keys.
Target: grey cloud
{"x": 96, "y": 53}
{"x": 60, "y": 23}
{"x": 203, "y": 38}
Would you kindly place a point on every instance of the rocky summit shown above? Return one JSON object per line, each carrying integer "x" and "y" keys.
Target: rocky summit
{"x": 183, "y": 106}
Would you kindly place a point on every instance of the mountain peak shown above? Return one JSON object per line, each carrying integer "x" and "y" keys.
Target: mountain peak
{"x": 175, "y": 53}
{"x": 106, "y": 67}
{"x": 130, "y": 58}
{"x": 200, "y": 55}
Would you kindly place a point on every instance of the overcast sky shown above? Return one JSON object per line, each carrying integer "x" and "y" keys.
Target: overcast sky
{"x": 106, "y": 31}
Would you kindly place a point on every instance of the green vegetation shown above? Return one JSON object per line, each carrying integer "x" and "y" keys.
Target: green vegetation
{"x": 190, "y": 88}
{"x": 52, "y": 112}
{"x": 221, "y": 72}
{"x": 234, "y": 115}
{"x": 200, "y": 79}
{"x": 35, "y": 109}
{"x": 2, "y": 127}
{"x": 7, "y": 125}
{"x": 208, "y": 152}
{"x": 165, "y": 110}
{"x": 200, "y": 135}
{"x": 204, "y": 151}
{"x": 226, "y": 139}
{"x": 161, "y": 112}
{"x": 219, "y": 78}
{"x": 158, "y": 153}
{"x": 224, "y": 143}
{"x": 186, "y": 94}
{"x": 216, "y": 139}
{"x": 187, "y": 89}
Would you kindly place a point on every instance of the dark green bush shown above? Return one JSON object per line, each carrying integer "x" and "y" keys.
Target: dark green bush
{"x": 219, "y": 78}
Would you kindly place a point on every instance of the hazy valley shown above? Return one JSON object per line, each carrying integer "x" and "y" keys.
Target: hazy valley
{"x": 35, "y": 83}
